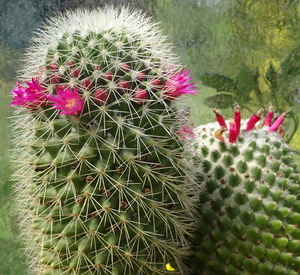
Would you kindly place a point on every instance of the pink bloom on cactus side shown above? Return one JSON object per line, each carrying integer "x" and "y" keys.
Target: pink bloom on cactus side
{"x": 179, "y": 85}
{"x": 68, "y": 101}
{"x": 31, "y": 96}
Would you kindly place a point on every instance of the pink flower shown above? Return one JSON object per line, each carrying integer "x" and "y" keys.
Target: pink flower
{"x": 253, "y": 120}
{"x": 68, "y": 101}
{"x": 233, "y": 131}
{"x": 274, "y": 127}
{"x": 220, "y": 119}
{"x": 269, "y": 116}
{"x": 31, "y": 96}
{"x": 179, "y": 85}
{"x": 237, "y": 118}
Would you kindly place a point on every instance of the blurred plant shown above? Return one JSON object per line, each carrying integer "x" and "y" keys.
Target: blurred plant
{"x": 256, "y": 87}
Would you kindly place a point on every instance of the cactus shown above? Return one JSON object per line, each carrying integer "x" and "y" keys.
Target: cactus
{"x": 249, "y": 207}
{"x": 102, "y": 186}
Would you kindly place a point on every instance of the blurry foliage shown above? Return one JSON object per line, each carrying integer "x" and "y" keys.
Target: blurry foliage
{"x": 248, "y": 51}
{"x": 10, "y": 59}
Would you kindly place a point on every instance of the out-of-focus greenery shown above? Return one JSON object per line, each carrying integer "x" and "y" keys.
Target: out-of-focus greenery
{"x": 11, "y": 262}
{"x": 247, "y": 51}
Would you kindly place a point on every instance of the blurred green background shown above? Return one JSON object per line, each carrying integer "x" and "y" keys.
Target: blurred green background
{"x": 244, "y": 51}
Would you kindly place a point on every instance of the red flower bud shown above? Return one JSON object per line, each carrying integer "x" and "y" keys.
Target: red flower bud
{"x": 101, "y": 96}
{"x": 220, "y": 119}
{"x": 237, "y": 118}
{"x": 76, "y": 73}
{"x": 253, "y": 120}
{"x": 71, "y": 64}
{"x": 125, "y": 68}
{"x": 62, "y": 87}
{"x": 155, "y": 82}
{"x": 108, "y": 76}
{"x": 55, "y": 78}
{"x": 123, "y": 86}
{"x": 87, "y": 83}
{"x": 269, "y": 116}
{"x": 53, "y": 67}
{"x": 277, "y": 123}
{"x": 233, "y": 133}
{"x": 140, "y": 76}
{"x": 140, "y": 96}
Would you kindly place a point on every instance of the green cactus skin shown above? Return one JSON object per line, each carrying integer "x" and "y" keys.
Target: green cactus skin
{"x": 105, "y": 191}
{"x": 249, "y": 206}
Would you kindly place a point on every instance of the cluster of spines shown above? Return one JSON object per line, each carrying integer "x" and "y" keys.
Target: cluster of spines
{"x": 104, "y": 191}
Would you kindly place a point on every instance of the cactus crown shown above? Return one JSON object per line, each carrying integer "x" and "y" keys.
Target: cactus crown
{"x": 102, "y": 186}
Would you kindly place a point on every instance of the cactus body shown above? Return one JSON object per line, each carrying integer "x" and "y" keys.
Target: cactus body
{"x": 249, "y": 203}
{"x": 102, "y": 187}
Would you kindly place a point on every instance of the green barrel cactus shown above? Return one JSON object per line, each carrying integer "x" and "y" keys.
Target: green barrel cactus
{"x": 249, "y": 206}
{"x": 102, "y": 186}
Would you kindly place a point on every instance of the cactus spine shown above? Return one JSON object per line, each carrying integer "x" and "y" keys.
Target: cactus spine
{"x": 102, "y": 187}
{"x": 249, "y": 205}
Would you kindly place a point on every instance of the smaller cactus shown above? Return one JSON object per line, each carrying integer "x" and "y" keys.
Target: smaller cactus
{"x": 249, "y": 203}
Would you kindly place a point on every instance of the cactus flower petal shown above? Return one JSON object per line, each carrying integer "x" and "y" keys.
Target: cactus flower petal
{"x": 253, "y": 120}
{"x": 269, "y": 116}
{"x": 68, "y": 101}
{"x": 237, "y": 118}
{"x": 179, "y": 85}
{"x": 31, "y": 96}
{"x": 220, "y": 119}
{"x": 277, "y": 123}
{"x": 233, "y": 132}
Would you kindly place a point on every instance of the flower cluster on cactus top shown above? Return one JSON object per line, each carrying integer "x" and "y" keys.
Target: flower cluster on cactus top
{"x": 33, "y": 94}
{"x": 272, "y": 121}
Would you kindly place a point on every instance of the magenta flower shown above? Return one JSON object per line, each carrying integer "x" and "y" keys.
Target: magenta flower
{"x": 68, "y": 101}
{"x": 179, "y": 85}
{"x": 274, "y": 127}
{"x": 31, "y": 96}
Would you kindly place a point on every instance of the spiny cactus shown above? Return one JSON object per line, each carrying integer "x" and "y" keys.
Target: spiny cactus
{"x": 102, "y": 187}
{"x": 249, "y": 206}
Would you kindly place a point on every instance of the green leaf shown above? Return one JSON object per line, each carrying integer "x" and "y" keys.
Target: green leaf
{"x": 245, "y": 83}
{"x": 219, "y": 82}
{"x": 219, "y": 101}
{"x": 290, "y": 65}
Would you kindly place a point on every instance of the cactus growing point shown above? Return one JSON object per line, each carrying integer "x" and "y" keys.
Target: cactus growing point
{"x": 102, "y": 186}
